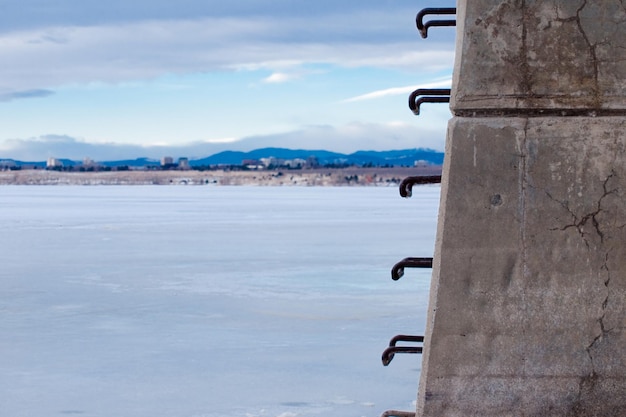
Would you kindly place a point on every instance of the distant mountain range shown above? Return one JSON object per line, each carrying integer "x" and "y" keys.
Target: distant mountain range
{"x": 407, "y": 157}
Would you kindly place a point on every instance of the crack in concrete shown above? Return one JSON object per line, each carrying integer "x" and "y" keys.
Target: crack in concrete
{"x": 594, "y": 56}
{"x": 525, "y": 66}
{"x": 523, "y": 191}
{"x": 587, "y": 382}
{"x": 523, "y": 185}
{"x": 607, "y": 283}
{"x": 623, "y": 5}
{"x": 580, "y": 223}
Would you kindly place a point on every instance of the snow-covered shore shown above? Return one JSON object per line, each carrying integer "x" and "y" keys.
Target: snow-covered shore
{"x": 309, "y": 177}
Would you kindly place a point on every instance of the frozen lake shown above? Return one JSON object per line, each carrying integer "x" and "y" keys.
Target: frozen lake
{"x": 209, "y": 301}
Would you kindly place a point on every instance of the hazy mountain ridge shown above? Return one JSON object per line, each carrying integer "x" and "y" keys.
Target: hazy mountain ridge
{"x": 406, "y": 157}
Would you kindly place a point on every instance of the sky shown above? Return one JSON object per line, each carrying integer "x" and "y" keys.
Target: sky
{"x": 124, "y": 79}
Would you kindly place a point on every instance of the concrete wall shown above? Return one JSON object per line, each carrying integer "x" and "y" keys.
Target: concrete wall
{"x": 545, "y": 55}
{"x": 528, "y": 302}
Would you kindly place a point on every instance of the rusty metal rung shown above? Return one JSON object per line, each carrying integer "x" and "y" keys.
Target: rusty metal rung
{"x": 405, "y": 338}
{"x": 406, "y": 186}
{"x": 398, "y": 269}
{"x": 423, "y": 27}
{"x": 428, "y": 95}
{"x": 389, "y": 353}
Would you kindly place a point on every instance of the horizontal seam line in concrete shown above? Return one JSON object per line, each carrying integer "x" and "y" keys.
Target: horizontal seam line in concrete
{"x": 562, "y": 112}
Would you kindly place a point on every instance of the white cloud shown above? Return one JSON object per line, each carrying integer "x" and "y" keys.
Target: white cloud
{"x": 76, "y": 46}
{"x": 345, "y": 139}
{"x": 279, "y": 77}
{"x": 64, "y": 146}
{"x": 221, "y": 140}
{"x": 396, "y": 91}
{"x": 47, "y": 57}
{"x": 352, "y": 137}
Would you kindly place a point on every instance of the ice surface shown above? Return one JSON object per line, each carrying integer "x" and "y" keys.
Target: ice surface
{"x": 209, "y": 301}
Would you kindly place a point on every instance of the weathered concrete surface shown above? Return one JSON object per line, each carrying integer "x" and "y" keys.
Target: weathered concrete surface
{"x": 544, "y": 56}
{"x": 527, "y": 315}
{"x": 528, "y": 302}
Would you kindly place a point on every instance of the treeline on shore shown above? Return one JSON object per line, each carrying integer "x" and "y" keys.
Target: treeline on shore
{"x": 351, "y": 176}
{"x": 174, "y": 167}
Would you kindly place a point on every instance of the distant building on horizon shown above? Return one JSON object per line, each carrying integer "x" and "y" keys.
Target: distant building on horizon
{"x": 421, "y": 163}
{"x": 167, "y": 161}
{"x": 271, "y": 162}
{"x": 296, "y": 163}
{"x": 88, "y": 162}
{"x": 54, "y": 163}
{"x": 183, "y": 163}
{"x": 252, "y": 164}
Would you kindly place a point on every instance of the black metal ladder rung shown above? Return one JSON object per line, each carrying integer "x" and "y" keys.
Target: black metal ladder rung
{"x": 405, "y": 338}
{"x": 390, "y": 352}
{"x": 406, "y": 186}
{"x": 398, "y": 269}
{"x": 416, "y": 98}
{"x": 428, "y": 95}
{"x": 423, "y": 27}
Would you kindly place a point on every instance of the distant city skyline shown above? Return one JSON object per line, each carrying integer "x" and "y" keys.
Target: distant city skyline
{"x": 192, "y": 78}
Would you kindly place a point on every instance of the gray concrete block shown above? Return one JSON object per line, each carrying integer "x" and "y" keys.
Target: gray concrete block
{"x": 528, "y": 302}
{"x": 540, "y": 56}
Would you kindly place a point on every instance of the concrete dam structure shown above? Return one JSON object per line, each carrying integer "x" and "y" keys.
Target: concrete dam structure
{"x": 527, "y": 315}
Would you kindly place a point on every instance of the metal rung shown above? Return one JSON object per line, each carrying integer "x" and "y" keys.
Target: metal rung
{"x": 405, "y": 338}
{"x": 406, "y": 186}
{"x": 430, "y": 95}
{"x": 398, "y": 269}
{"x": 423, "y": 27}
{"x": 390, "y": 352}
